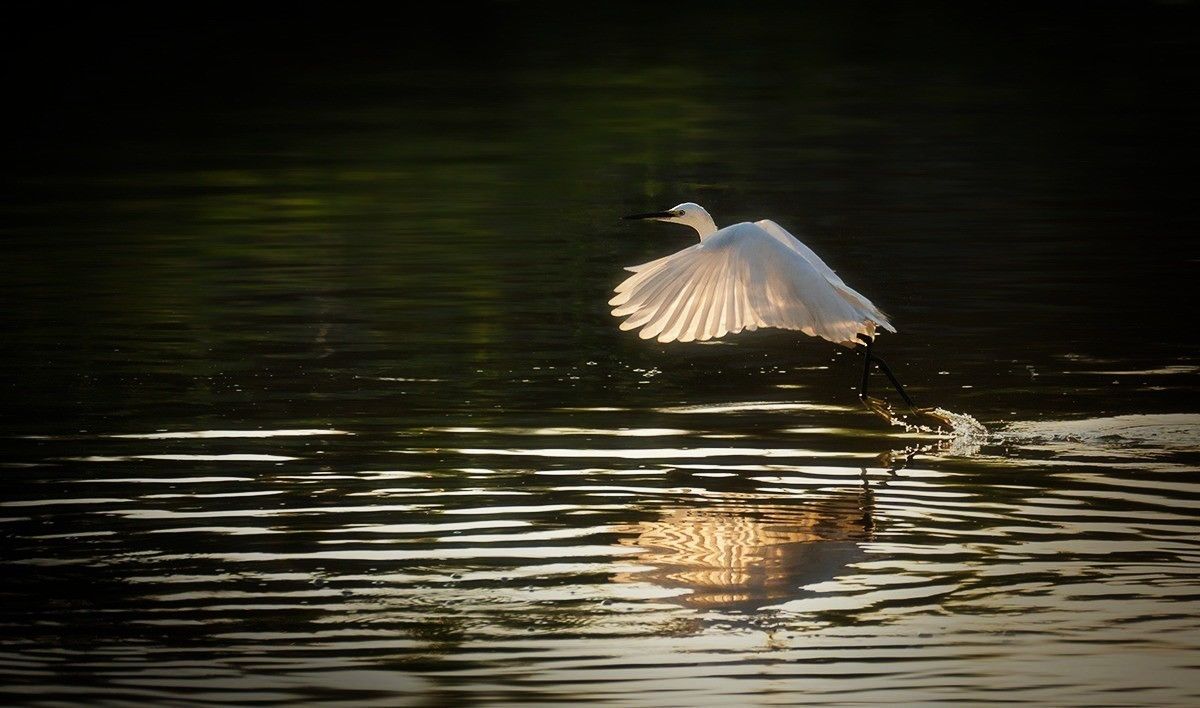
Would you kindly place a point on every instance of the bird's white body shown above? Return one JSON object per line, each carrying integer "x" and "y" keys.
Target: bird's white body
{"x": 744, "y": 276}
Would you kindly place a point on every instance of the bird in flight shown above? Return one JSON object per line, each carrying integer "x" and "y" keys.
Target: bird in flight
{"x": 742, "y": 277}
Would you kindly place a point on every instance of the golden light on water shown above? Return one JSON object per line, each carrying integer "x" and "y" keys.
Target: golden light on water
{"x": 746, "y": 556}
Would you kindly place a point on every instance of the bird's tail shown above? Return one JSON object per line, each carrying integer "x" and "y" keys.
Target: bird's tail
{"x": 868, "y": 309}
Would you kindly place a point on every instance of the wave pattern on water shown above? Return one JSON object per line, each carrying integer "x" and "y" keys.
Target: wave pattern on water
{"x": 672, "y": 560}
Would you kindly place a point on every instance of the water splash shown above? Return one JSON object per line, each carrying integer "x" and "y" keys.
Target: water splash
{"x": 1137, "y": 435}
{"x": 962, "y": 434}
{"x": 966, "y": 434}
{"x": 962, "y": 424}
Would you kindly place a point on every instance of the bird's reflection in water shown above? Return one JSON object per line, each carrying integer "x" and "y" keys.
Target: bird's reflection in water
{"x": 744, "y": 555}
{"x": 746, "y": 552}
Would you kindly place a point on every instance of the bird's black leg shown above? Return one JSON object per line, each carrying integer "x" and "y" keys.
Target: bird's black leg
{"x": 868, "y": 358}
{"x": 891, "y": 377}
{"x": 862, "y": 387}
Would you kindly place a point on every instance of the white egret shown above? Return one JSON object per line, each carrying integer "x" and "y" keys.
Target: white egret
{"x": 743, "y": 277}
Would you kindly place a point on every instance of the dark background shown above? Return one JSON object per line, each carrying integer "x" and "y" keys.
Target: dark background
{"x": 1011, "y": 182}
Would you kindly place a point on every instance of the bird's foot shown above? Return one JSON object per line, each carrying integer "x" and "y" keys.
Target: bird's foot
{"x": 881, "y": 408}
{"x": 934, "y": 418}
{"x": 931, "y": 418}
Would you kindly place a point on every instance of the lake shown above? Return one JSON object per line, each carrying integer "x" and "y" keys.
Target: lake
{"x": 312, "y": 395}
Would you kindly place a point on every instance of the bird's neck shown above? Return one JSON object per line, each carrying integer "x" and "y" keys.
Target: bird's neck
{"x": 703, "y": 224}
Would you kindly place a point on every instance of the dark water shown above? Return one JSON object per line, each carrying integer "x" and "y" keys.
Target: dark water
{"x": 311, "y": 392}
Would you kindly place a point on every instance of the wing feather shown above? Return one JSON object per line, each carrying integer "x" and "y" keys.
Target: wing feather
{"x": 714, "y": 321}
{"x": 749, "y": 316}
{"x": 698, "y": 322}
{"x": 743, "y": 277}
{"x": 729, "y": 311}
{"x": 675, "y": 297}
{"x": 641, "y": 273}
{"x": 652, "y": 291}
{"x": 683, "y": 316}
{"x": 733, "y": 323}
{"x": 783, "y": 236}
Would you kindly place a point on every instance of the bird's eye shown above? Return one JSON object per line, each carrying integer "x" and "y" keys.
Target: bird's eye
{"x": 679, "y": 213}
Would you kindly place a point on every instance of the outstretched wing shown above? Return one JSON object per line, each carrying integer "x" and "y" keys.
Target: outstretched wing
{"x": 783, "y": 236}
{"x": 741, "y": 277}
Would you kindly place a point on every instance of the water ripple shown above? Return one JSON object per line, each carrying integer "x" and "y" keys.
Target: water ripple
{"x": 902, "y": 568}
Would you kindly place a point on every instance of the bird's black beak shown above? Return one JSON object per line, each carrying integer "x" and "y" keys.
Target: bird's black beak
{"x": 651, "y": 215}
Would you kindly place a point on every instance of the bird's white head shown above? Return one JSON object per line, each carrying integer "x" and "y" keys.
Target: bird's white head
{"x": 688, "y": 214}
